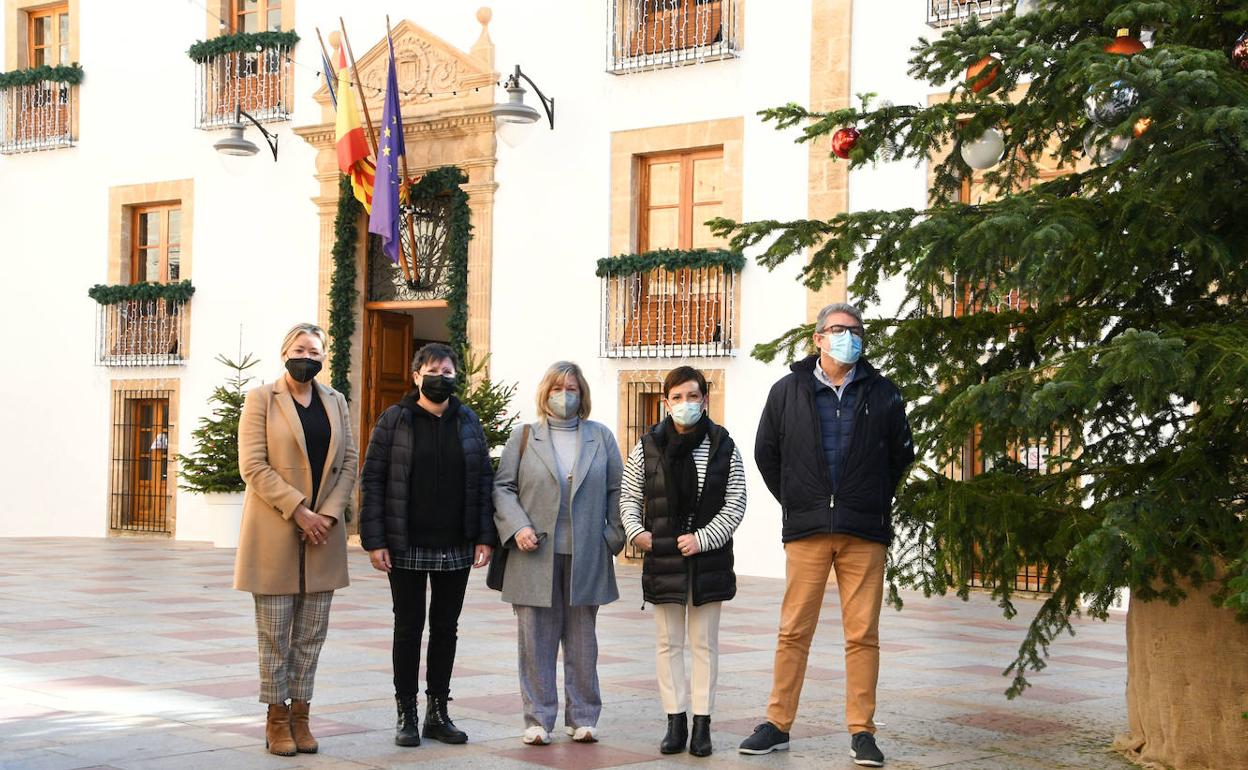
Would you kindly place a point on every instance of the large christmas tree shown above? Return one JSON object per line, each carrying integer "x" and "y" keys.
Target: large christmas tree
{"x": 1074, "y": 350}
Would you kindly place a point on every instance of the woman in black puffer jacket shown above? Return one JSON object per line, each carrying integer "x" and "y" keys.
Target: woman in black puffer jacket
{"x": 427, "y": 518}
{"x": 681, "y": 498}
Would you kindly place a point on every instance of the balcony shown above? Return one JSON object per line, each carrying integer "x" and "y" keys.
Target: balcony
{"x": 655, "y": 34}
{"x": 669, "y": 304}
{"x": 251, "y": 71}
{"x": 142, "y": 324}
{"x": 948, "y": 13}
{"x": 36, "y": 108}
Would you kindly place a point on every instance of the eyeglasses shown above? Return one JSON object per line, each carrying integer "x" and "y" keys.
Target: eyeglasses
{"x": 857, "y": 331}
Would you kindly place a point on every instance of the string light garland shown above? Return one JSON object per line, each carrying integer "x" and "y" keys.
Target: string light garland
{"x": 223, "y": 25}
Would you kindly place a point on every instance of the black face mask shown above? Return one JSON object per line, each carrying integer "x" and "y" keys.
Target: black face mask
{"x": 437, "y": 388}
{"x": 303, "y": 369}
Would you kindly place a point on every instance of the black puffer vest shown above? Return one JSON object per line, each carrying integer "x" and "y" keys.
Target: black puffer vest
{"x": 666, "y": 575}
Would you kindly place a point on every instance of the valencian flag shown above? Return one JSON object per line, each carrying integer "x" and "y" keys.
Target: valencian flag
{"x": 350, "y": 140}
{"x": 385, "y": 216}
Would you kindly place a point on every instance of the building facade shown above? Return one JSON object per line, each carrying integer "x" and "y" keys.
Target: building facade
{"x": 109, "y": 177}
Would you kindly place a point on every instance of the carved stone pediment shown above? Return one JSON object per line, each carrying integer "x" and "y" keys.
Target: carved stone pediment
{"x": 433, "y": 75}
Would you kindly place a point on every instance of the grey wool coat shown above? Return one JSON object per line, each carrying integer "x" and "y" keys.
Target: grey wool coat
{"x": 526, "y": 494}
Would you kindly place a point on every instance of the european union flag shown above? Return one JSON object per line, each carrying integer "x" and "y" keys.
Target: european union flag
{"x": 384, "y": 220}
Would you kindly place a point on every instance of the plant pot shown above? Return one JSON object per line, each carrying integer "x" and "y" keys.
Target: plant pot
{"x": 225, "y": 511}
{"x": 1187, "y": 685}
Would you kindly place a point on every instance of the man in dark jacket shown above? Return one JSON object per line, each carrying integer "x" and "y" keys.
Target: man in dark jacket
{"x": 833, "y": 445}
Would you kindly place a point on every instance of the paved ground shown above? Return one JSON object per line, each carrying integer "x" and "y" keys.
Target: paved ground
{"x": 136, "y": 654}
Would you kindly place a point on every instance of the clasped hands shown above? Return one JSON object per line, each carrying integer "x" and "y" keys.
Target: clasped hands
{"x": 687, "y": 544}
{"x": 312, "y": 525}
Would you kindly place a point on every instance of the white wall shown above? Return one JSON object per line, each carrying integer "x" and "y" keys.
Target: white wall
{"x": 256, "y": 238}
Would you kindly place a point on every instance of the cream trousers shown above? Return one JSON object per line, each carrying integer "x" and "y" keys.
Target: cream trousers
{"x": 670, "y": 622}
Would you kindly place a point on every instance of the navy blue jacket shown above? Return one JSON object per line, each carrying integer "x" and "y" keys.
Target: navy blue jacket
{"x": 790, "y": 456}
{"x": 385, "y": 483}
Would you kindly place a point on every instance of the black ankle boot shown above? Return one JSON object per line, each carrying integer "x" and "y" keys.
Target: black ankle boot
{"x": 677, "y": 734}
{"x": 406, "y": 728}
{"x": 438, "y": 724}
{"x": 700, "y": 741}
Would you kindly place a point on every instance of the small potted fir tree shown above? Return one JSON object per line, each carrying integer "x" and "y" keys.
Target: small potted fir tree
{"x": 211, "y": 470}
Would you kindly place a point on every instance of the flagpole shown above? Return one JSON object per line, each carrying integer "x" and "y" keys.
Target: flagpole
{"x": 372, "y": 133}
{"x": 411, "y": 228}
{"x": 325, "y": 54}
{"x": 355, "y": 73}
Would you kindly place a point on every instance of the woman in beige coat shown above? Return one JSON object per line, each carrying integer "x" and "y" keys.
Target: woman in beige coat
{"x": 298, "y": 459}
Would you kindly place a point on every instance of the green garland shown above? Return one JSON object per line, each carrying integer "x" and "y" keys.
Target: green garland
{"x": 70, "y": 74}
{"x": 446, "y": 181}
{"x": 670, "y": 259}
{"x": 240, "y": 42}
{"x": 112, "y": 295}
{"x": 343, "y": 295}
{"x": 342, "y": 291}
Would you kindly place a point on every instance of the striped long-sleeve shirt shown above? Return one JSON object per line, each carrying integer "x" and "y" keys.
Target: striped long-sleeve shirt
{"x": 718, "y": 530}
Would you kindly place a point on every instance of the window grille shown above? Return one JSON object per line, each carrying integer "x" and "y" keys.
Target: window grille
{"x": 143, "y": 476}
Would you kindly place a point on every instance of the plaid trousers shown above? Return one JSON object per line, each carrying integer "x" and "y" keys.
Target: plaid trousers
{"x": 291, "y": 631}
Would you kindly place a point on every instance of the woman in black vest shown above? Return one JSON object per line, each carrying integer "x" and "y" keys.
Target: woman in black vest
{"x": 681, "y": 498}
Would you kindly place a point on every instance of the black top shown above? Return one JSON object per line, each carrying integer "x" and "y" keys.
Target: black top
{"x": 316, "y": 432}
{"x": 435, "y": 500}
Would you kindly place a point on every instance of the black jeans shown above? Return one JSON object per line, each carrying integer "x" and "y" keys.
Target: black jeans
{"x": 407, "y": 588}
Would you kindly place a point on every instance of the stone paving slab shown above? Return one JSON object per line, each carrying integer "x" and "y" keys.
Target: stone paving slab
{"x": 135, "y": 654}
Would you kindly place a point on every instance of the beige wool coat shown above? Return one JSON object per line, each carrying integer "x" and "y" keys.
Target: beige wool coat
{"x": 273, "y": 461}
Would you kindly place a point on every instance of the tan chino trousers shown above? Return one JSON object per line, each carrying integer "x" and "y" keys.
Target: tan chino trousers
{"x": 859, "y": 568}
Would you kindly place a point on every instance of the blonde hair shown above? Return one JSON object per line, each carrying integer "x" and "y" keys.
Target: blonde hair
{"x": 298, "y": 330}
{"x": 554, "y": 376}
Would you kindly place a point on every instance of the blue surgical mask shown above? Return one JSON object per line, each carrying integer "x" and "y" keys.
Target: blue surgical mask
{"x": 564, "y": 404}
{"x": 845, "y": 347}
{"x": 686, "y": 413}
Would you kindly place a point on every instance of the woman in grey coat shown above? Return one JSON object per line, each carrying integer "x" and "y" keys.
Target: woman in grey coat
{"x": 557, "y": 508}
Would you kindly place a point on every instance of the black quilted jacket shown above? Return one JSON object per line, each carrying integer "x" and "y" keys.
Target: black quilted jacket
{"x": 385, "y": 482}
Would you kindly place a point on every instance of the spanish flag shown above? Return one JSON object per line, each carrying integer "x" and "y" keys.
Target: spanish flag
{"x": 349, "y": 136}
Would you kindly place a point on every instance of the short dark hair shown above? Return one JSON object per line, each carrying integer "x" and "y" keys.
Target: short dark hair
{"x": 679, "y": 376}
{"x": 434, "y": 351}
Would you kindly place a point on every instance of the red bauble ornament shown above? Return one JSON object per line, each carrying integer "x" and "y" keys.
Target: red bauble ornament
{"x": 1239, "y": 53}
{"x": 983, "y": 73}
{"x": 844, "y": 140}
{"x": 1124, "y": 44}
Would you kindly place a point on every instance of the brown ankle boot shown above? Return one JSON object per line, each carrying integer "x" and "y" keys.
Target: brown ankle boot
{"x": 277, "y": 737}
{"x": 304, "y": 741}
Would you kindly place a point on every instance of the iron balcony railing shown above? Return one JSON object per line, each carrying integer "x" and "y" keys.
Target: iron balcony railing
{"x": 947, "y": 13}
{"x": 257, "y": 81}
{"x": 669, "y": 313}
{"x": 36, "y": 116}
{"x": 654, "y": 34}
{"x": 141, "y": 332}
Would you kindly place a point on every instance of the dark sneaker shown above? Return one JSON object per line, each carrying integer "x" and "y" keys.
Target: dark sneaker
{"x": 864, "y": 751}
{"x": 766, "y": 739}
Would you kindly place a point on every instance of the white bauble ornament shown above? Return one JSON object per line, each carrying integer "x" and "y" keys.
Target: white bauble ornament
{"x": 984, "y": 152}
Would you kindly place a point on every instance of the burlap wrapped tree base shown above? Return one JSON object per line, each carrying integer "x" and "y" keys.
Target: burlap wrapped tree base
{"x": 1187, "y": 685}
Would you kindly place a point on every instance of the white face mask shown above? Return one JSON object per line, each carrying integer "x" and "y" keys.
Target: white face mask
{"x": 564, "y": 404}
{"x": 686, "y": 413}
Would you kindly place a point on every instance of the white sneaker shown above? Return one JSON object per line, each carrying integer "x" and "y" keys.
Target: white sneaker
{"x": 535, "y": 735}
{"x": 583, "y": 734}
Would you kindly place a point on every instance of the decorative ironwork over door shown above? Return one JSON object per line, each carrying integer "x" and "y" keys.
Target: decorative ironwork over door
{"x": 424, "y": 232}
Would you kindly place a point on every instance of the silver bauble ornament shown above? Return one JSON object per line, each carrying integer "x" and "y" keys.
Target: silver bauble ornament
{"x": 1102, "y": 150}
{"x": 1111, "y": 106}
